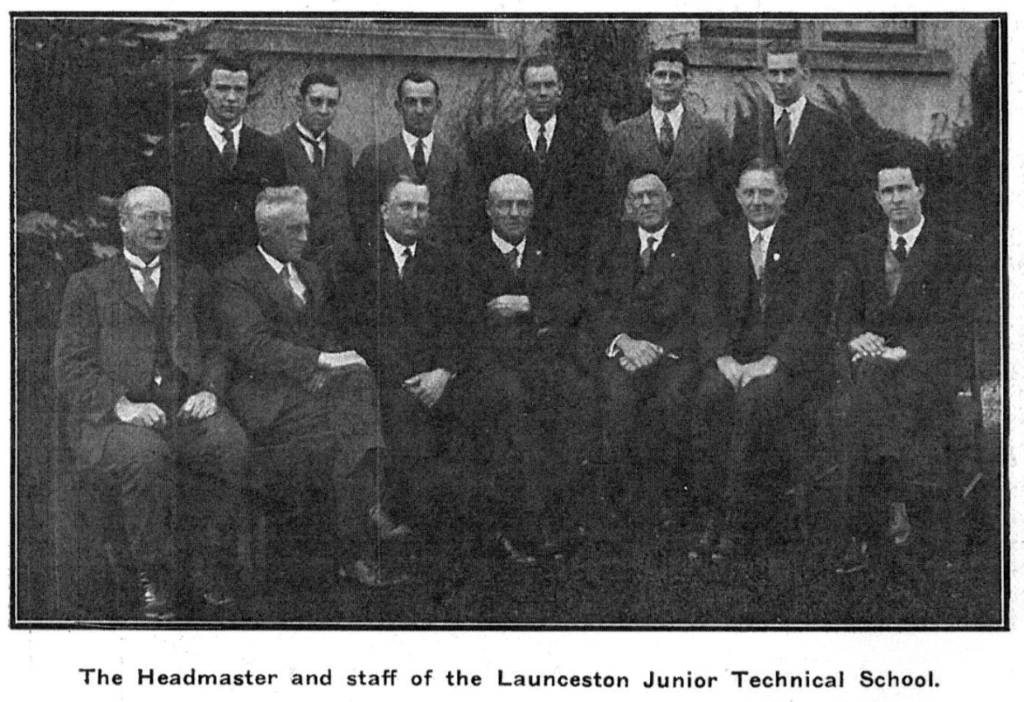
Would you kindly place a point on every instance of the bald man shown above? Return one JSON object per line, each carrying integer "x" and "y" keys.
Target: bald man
{"x": 144, "y": 377}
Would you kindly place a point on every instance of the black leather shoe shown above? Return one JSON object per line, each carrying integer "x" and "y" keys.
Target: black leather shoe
{"x": 156, "y": 601}
{"x": 855, "y": 557}
{"x": 368, "y": 574}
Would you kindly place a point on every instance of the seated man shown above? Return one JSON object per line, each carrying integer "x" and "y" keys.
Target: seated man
{"x": 523, "y": 310}
{"x": 765, "y": 323}
{"x": 646, "y": 283}
{"x": 904, "y": 318}
{"x": 144, "y": 376}
{"x": 296, "y": 387}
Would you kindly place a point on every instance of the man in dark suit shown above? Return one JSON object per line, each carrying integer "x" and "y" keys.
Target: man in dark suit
{"x": 214, "y": 170}
{"x": 814, "y": 149}
{"x": 405, "y": 300}
{"x": 561, "y": 157}
{"x": 298, "y": 387}
{"x": 321, "y": 163}
{"x": 420, "y": 154}
{"x": 905, "y": 316}
{"x": 687, "y": 152}
{"x": 644, "y": 304}
{"x": 524, "y": 311}
{"x": 144, "y": 376}
{"x": 764, "y": 321}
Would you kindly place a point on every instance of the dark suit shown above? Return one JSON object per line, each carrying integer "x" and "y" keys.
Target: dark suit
{"x": 566, "y": 185}
{"x": 448, "y": 179}
{"x": 330, "y": 188}
{"x": 901, "y": 412}
{"x": 275, "y": 346}
{"x": 819, "y": 167}
{"x": 789, "y": 326}
{"x": 697, "y": 174}
{"x": 646, "y": 413}
{"x": 112, "y": 344}
{"x": 215, "y": 207}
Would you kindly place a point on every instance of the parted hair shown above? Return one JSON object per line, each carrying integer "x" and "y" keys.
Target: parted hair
{"x": 273, "y": 200}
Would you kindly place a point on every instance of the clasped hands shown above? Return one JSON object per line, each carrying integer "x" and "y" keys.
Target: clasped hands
{"x": 428, "y": 387}
{"x": 739, "y": 374}
{"x": 869, "y": 345}
{"x": 509, "y": 305}
{"x": 331, "y": 363}
{"x": 148, "y": 414}
{"x": 637, "y": 354}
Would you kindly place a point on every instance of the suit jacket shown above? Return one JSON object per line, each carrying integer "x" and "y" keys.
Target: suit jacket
{"x": 796, "y": 286}
{"x": 274, "y": 345}
{"x": 930, "y": 314}
{"x": 556, "y": 304}
{"x": 329, "y": 188}
{"x": 107, "y": 343}
{"x": 819, "y": 167}
{"x": 566, "y": 187}
{"x": 660, "y": 304}
{"x": 448, "y": 179}
{"x": 402, "y": 326}
{"x": 696, "y": 175}
{"x": 215, "y": 208}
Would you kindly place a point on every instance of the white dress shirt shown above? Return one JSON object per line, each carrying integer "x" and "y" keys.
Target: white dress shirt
{"x": 410, "y": 145}
{"x": 135, "y": 263}
{"x": 645, "y": 235}
{"x": 216, "y": 133}
{"x": 796, "y": 111}
{"x": 766, "y": 237}
{"x": 307, "y": 143}
{"x": 675, "y": 118}
{"x": 505, "y": 247}
{"x": 533, "y": 129}
{"x": 293, "y": 277}
{"x": 910, "y": 237}
{"x": 398, "y": 252}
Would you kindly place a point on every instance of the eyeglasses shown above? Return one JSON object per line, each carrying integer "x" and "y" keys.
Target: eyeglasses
{"x": 153, "y": 218}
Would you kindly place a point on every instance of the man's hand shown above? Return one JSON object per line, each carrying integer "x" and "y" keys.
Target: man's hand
{"x": 428, "y": 387}
{"x": 199, "y": 406}
{"x": 895, "y": 355}
{"x": 731, "y": 369}
{"x": 759, "y": 369}
{"x": 140, "y": 414}
{"x": 339, "y": 360}
{"x": 509, "y": 305}
{"x": 638, "y": 354}
{"x": 866, "y": 345}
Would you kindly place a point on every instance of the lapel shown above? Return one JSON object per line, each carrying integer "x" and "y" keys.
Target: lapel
{"x": 646, "y": 135}
{"x": 123, "y": 283}
{"x": 804, "y": 132}
{"x": 204, "y": 144}
{"x": 532, "y": 263}
{"x": 294, "y": 142}
{"x": 919, "y": 262}
{"x": 387, "y": 269}
{"x": 671, "y": 248}
{"x": 691, "y": 129}
{"x": 282, "y": 297}
{"x": 741, "y": 268}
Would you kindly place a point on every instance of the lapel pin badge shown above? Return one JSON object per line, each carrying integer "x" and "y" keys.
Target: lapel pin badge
{"x": 776, "y": 257}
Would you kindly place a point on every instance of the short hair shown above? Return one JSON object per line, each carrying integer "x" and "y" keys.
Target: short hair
{"x": 765, "y": 166}
{"x": 670, "y": 55}
{"x": 272, "y": 200}
{"x": 898, "y": 157}
{"x": 418, "y": 77}
{"x": 318, "y": 78}
{"x": 226, "y": 61}
{"x": 126, "y": 202}
{"x": 777, "y": 47}
{"x": 411, "y": 180}
{"x": 537, "y": 61}
{"x": 664, "y": 188}
{"x": 508, "y": 178}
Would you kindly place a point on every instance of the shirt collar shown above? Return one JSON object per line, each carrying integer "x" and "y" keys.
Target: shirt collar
{"x": 910, "y": 237}
{"x": 217, "y": 132}
{"x": 397, "y": 249}
{"x": 136, "y": 262}
{"x": 645, "y": 235}
{"x": 505, "y": 247}
{"x": 533, "y": 127}
{"x": 274, "y": 263}
{"x": 795, "y": 110}
{"x": 410, "y": 143}
{"x": 675, "y": 117}
{"x": 766, "y": 233}
{"x": 309, "y": 135}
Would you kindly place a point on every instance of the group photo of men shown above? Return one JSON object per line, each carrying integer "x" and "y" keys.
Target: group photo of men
{"x": 324, "y": 380}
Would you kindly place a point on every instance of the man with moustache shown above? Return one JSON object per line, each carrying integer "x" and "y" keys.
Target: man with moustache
{"x": 145, "y": 378}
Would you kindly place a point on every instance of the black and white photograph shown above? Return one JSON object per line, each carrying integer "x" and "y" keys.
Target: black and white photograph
{"x": 452, "y": 322}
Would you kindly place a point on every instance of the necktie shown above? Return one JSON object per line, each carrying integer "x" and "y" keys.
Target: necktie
{"x": 149, "y": 288}
{"x": 648, "y": 252}
{"x": 901, "y": 249}
{"x": 666, "y": 141}
{"x": 542, "y": 145}
{"x": 512, "y": 258}
{"x": 407, "y": 258}
{"x": 782, "y": 135}
{"x": 230, "y": 153}
{"x": 298, "y": 300}
{"x": 757, "y": 255}
{"x": 419, "y": 161}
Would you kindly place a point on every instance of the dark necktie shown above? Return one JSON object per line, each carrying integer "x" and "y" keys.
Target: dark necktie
{"x": 319, "y": 150}
{"x": 901, "y": 249}
{"x": 298, "y": 300}
{"x": 542, "y": 145}
{"x": 149, "y": 288}
{"x": 782, "y": 135}
{"x": 230, "y": 153}
{"x": 666, "y": 141}
{"x": 648, "y": 252}
{"x": 512, "y": 259}
{"x": 407, "y": 259}
{"x": 419, "y": 161}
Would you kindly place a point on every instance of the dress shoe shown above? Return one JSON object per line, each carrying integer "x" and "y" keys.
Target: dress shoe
{"x": 156, "y": 601}
{"x": 855, "y": 557}
{"x": 899, "y": 523}
{"x": 386, "y": 526}
{"x": 368, "y": 574}
{"x": 514, "y": 554}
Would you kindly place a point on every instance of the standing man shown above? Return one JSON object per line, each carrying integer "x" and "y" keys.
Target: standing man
{"x": 645, "y": 302}
{"x": 145, "y": 379}
{"x": 765, "y": 320}
{"x": 905, "y": 315}
{"x": 298, "y": 387}
{"x": 420, "y": 154}
{"x": 560, "y": 156}
{"x": 321, "y": 163}
{"x": 214, "y": 170}
{"x": 688, "y": 153}
{"x": 811, "y": 145}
